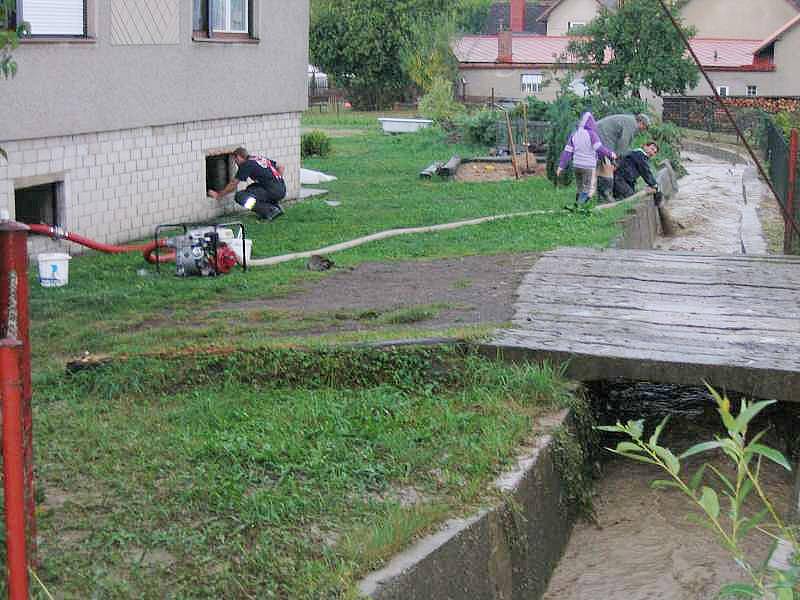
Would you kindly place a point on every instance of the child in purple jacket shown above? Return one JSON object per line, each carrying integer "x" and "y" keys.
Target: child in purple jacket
{"x": 584, "y": 148}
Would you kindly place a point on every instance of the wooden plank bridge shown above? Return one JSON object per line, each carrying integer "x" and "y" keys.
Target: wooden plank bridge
{"x": 668, "y": 317}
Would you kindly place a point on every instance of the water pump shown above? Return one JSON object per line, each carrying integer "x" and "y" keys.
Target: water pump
{"x": 204, "y": 251}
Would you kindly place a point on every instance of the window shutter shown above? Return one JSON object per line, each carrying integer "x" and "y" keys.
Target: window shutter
{"x": 55, "y": 17}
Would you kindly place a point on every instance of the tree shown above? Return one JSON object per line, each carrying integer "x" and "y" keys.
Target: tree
{"x": 362, "y": 43}
{"x": 646, "y": 51}
{"x": 430, "y": 57}
{"x": 9, "y": 38}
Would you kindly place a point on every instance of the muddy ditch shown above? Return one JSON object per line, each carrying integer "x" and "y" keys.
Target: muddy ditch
{"x": 643, "y": 542}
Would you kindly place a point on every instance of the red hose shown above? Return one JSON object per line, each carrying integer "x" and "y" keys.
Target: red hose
{"x": 147, "y": 250}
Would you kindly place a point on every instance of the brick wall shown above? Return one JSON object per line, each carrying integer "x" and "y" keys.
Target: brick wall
{"x": 118, "y": 185}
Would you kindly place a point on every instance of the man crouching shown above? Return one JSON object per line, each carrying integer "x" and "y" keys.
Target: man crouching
{"x": 266, "y": 190}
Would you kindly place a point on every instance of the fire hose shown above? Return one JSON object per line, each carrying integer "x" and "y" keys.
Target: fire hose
{"x": 147, "y": 250}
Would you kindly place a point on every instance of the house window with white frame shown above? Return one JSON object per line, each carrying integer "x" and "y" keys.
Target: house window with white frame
{"x": 723, "y": 90}
{"x": 51, "y": 18}
{"x": 752, "y": 91}
{"x": 531, "y": 83}
{"x": 224, "y": 18}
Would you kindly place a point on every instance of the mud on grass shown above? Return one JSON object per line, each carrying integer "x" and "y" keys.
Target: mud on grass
{"x": 271, "y": 474}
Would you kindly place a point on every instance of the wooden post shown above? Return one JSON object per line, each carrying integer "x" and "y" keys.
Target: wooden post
{"x": 512, "y": 147}
{"x": 525, "y": 136}
{"x": 788, "y": 233}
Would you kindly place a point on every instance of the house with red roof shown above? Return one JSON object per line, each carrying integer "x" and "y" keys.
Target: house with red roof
{"x": 743, "y": 59}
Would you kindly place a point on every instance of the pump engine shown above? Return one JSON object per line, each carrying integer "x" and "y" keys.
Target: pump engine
{"x": 201, "y": 252}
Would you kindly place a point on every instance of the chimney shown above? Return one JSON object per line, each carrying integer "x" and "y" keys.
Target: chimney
{"x": 505, "y": 46}
{"x": 517, "y": 16}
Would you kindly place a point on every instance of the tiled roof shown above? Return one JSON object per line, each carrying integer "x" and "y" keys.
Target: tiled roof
{"x": 783, "y": 29}
{"x": 548, "y": 50}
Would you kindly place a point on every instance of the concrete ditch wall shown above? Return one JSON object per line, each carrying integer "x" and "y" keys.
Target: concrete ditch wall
{"x": 506, "y": 552}
{"x": 642, "y": 225}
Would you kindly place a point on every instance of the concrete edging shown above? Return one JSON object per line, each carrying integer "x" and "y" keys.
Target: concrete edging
{"x": 507, "y": 551}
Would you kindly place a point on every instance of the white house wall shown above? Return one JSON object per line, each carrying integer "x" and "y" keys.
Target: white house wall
{"x": 744, "y": 19}
{"x": 571, "y": 11}
{"x": 125, "y": 121}
{"x": 118, "y": 185}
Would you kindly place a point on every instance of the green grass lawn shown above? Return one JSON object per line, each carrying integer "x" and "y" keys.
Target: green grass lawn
{"x": 112, "y": 301}
{"x": 276, "y": 474}
{"x": 265, "y": 472}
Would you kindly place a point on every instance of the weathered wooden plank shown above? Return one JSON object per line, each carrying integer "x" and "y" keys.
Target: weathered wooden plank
{"x": 597, "y": 271}
{"x": 628, "y": 298}
{"x": 638, "y": 342}
{"x": 646, "y": 352}
{"x": 600, "y": 285}
{"x": 655, "y": 256}
{"x": 623, "y": 312}
{"x": 676, "y": 317}
{"x": 677, "y": 333}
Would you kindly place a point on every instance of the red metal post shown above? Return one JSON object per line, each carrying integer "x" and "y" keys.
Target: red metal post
{"x": 13, "y": 468}
{"x": 15, "y": 323}
{"x": 788, "y": 232}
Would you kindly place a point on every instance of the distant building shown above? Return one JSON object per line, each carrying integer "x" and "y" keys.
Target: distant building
{"x": 748, "y": 48}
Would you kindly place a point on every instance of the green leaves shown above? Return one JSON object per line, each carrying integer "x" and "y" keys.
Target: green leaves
{"x": 771, "y": 454}
{"x": 646, "y": 51}
{"x": 710, "y": 502}
{"x": 735, "y": 525}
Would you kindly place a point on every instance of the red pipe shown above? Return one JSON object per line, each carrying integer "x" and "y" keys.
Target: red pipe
{"x": 14, "y": 323}
{"x": 13, "y": 468}
{"x": 146, "y": 249}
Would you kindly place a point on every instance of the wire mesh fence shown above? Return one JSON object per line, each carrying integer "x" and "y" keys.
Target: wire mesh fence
{"x": 532, "y": 133}
{"x": 779, "y": 158}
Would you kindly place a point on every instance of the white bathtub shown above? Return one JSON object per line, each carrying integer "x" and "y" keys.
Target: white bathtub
{"x": 397, "y": 125}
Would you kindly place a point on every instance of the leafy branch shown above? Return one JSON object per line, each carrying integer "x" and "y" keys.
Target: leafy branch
{"x": 745, "y": 455}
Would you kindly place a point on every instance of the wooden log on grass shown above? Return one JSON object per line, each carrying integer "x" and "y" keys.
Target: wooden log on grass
{"x": 432, "y": 168}
{"x": 450, "y": 168}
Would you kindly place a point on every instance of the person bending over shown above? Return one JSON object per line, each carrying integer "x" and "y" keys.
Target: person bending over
{"x": 633, "y": 165}
{"x": 266, "y": 190}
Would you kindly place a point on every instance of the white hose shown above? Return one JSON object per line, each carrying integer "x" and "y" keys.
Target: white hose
{"x": 382, "y": 235}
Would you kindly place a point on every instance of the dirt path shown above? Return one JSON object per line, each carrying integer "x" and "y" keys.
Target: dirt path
{"x": 718, "y": 205}
{"x": 463, "y": 291}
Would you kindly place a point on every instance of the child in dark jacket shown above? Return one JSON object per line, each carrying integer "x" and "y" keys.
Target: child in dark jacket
{"x": 633, "y": 165}
{"x": 583, "y": 149}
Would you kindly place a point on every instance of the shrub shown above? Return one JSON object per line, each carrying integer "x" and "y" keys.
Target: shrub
{"x": 480, "y": 127}
{"x": 537, "y": 109}
{"x": 315, "y": 143}
{"x": 438, "y": 104}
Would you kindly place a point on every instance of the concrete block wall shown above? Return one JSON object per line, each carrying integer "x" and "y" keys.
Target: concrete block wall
{"x": 118, "y": 185}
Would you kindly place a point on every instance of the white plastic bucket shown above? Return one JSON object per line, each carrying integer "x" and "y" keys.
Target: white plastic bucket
{"x": 53, "y": 269}
{"x": 236, "y": 245}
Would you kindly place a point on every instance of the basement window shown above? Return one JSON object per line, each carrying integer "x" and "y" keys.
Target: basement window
{"x": 38, "y": 204}
{"x": 573, "y": 26}
{"x": 724, "y": 91}
{"x": 219, "y": 171}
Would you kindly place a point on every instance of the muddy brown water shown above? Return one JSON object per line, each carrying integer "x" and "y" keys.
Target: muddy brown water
{"x": 643, "y": 545}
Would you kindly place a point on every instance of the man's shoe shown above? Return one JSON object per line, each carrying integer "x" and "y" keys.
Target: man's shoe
{"x": 274, "y": 212}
